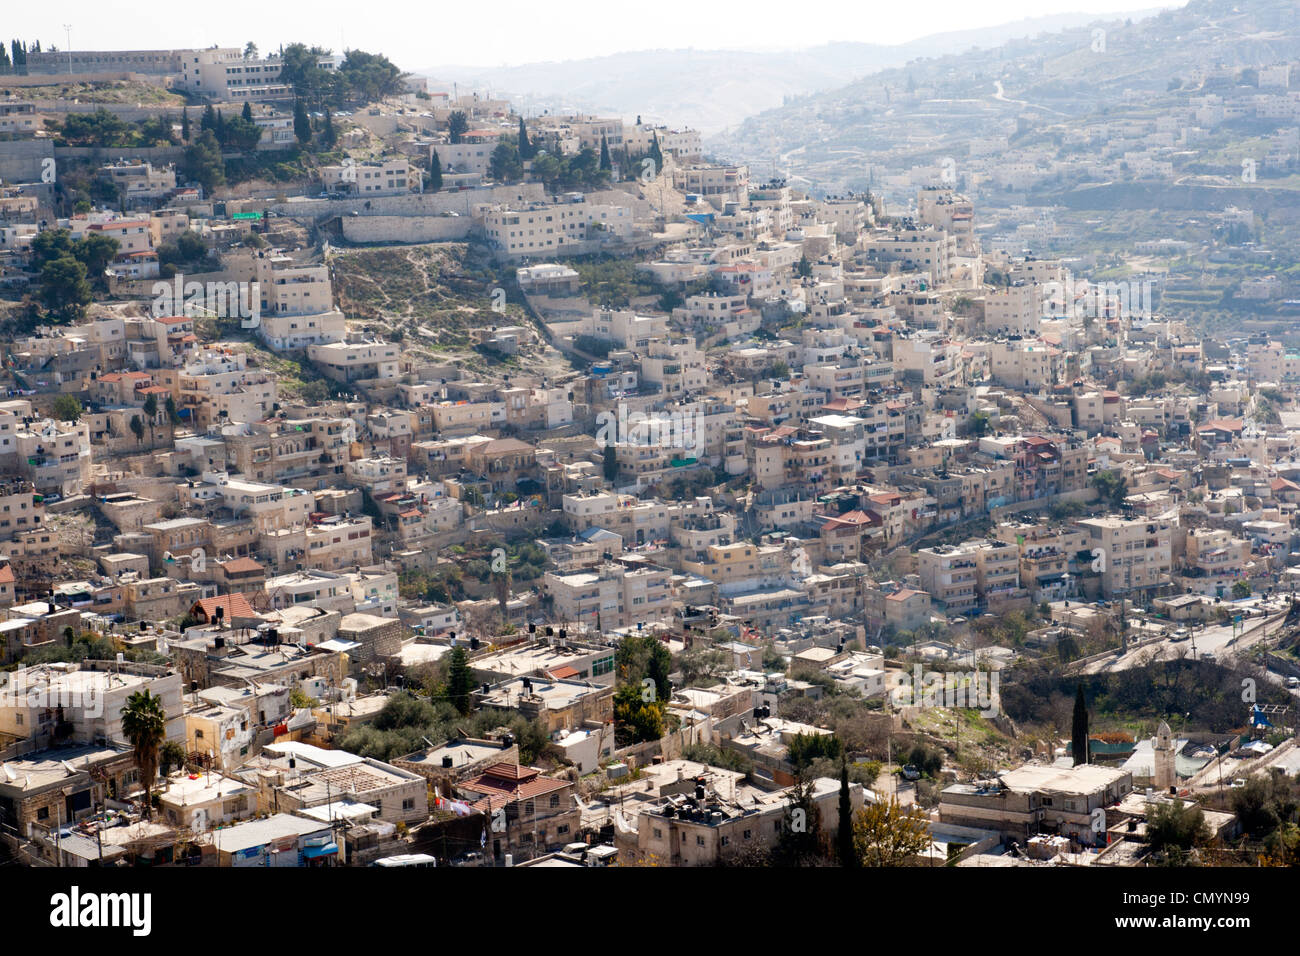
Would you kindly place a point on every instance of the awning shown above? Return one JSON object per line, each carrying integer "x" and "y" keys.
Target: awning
{"x": 312, "y": 852}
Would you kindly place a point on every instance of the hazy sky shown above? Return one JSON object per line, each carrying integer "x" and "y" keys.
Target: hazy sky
{"x": 425, "y": 33}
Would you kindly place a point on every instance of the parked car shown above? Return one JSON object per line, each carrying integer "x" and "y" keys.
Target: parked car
{"x": 1181, "y": 634}
{"x": 910, "y": 772}
{"x": 1293, "y": 682}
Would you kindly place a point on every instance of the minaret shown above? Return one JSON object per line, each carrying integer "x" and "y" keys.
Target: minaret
{"x": 1164, "y": 775}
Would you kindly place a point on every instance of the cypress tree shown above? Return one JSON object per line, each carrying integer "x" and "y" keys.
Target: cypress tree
{"x": 605, "y": 162}
{"x": 209, "y": 120}
{"x": 848, "y": 855}
{"x": 610, "y": 463}
{"x": 656, "y": 153}
{"x": 460, "y": 679}
{"x": 435, "y": 172}
{"x": 301, "y": 123}
{"x": 247, "y": 112}
{"x": 526, "y": 150}
{"x": 185, "y": 125}
{"x": 1079, "y": 730}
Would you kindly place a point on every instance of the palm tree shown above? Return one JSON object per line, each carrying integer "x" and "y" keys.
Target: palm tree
{"x": 145, "y": 724}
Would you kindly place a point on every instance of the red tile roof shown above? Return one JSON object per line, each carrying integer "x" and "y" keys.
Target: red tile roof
{"x": 504, "y": 783}
{"x": 240, "y": 565}
{"x": 235, "y": 605}
{"x": 1222, "y": 424}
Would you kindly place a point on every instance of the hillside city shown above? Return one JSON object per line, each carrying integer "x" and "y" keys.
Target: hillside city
{"x": 396, "y": 475}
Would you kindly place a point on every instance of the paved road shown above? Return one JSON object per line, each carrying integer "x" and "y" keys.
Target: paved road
{"x": 1217, "y": 640}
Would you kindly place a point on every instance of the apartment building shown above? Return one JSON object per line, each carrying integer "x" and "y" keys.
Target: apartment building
{"x": 636, "y": 521}
{"x": 1215, "y": 560}
{"x": 356, "y": 361}
{"x": 915, "y": 248}
{"x": 284, "y": 332}
{"x": 1130, "y": 554}
{"x": 473, "y": 155}
{"x": 950, "y": 575}
{"x": 54, "y": 456}
{"x": 559, "y": 704}
{"x": 709, "y": 818}
{"x": 386, "y": 177}
{"x": 676, "y": 366}
{"x": 331, "y": 543}
{"x": 684, "y": 145}
{"x": 1048, "y": 557}
{"x": 268, "y": 507}
{"x": 716, "y": 183}
{"x": 538, "y": 812}
{"x": 82, "y": 702}
{"x": 225, "y": 75}
{"x": 1015, "y": 309}
{"x": 288, "y": 451}
{"x": 218, "y": 386}
{"x": 946, "y": 209}
{"x": 287, "y": 288}
{"x": 548, "y": 228}
{"x": 1037, "y": 799}
{"x": 1026, "y": 363}
{"x": 1272, "y": 362}
{"x": 612, "y": 595}
{"x": 138, "y": 181}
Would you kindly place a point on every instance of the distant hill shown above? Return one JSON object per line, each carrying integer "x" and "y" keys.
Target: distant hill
{"x": 940, "y": 103}
{"x": 713, "y": 89}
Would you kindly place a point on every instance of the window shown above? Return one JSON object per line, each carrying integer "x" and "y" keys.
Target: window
{"x": 555, "y": 799}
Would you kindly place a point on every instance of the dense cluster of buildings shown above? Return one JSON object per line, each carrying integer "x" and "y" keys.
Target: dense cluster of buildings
{"x": 830, "y": 426}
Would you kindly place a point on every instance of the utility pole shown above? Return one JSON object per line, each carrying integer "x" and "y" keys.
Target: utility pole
{"x": 67, "y": 32}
